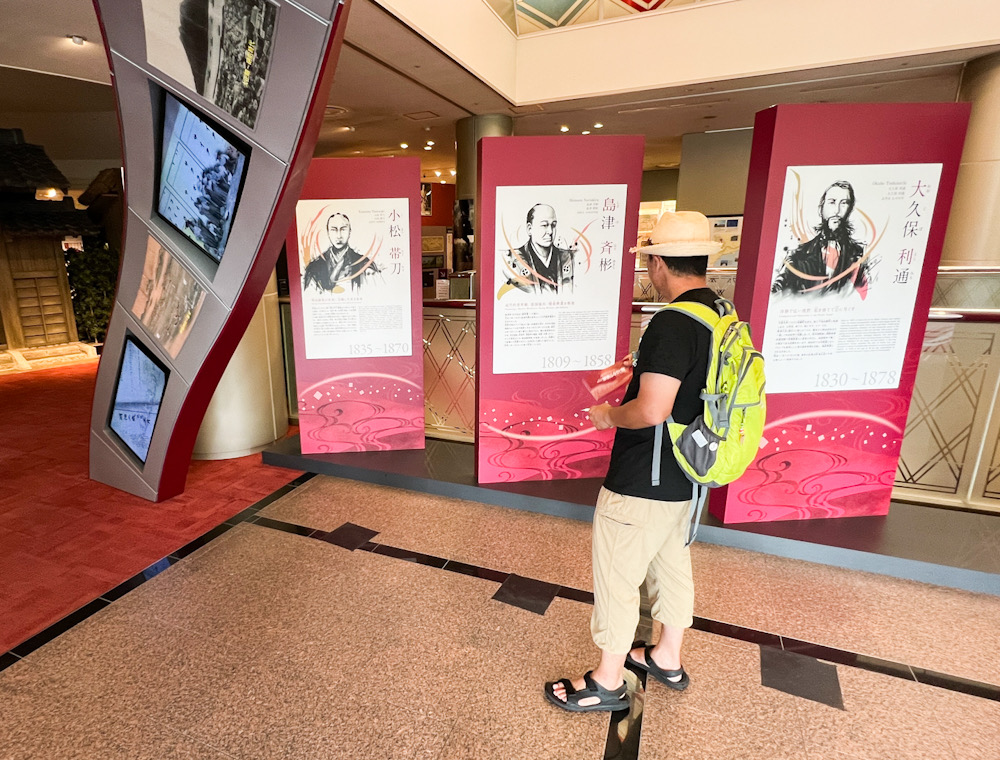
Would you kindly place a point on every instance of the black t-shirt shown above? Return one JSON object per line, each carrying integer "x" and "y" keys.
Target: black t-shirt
{"x": 677, "y": 346}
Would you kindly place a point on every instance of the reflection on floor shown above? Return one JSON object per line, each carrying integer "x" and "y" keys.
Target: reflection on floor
{"x": 352, "y": 620}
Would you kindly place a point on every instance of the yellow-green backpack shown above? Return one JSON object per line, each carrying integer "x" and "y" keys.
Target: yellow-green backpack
{"x": 719, "y": 445}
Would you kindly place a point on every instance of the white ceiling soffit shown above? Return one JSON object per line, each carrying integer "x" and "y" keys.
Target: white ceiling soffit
{"x": 34, "y": 39}
{"x": 695, "y": 43}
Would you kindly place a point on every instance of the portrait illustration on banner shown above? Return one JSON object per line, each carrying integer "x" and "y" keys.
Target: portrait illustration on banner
{"x": 354, "y": 260}
{"x": 559, "y": 251}
{"x": 834, "y": 256}
{"x": 846, "y": 270}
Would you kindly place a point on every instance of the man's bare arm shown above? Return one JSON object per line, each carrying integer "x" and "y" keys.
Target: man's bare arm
{"x": 652, "y": 406}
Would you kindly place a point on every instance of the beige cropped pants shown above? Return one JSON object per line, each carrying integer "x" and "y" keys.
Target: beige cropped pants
{"x": 635, "y": 540}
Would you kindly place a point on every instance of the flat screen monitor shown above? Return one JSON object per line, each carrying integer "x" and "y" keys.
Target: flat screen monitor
{"x": 139, "y": 388}
{"x": 202, "y": 168}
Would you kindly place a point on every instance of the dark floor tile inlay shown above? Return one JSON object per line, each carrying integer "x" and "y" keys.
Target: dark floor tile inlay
{"x": 199, "y": 542}
{"x": 476, "y": 572}
{"x": 576, "y": 595}
{"x": 736, "y": 632}
{"x": 7, "y": 659}
{"x": 885, "y": 667}
{"x": 839, "y": 656}
{"x": 818, "y": 652}
{"x": 954, "y": 683}
{"x": 527, "y": 593}
{"x": 243, "y": 516}
{"x": 138, "y": 579}
{"x": 624, "y": 744}
{"x": 410, "y": 556}
{"x": 348, "y": 536}
{"x": 56, "y": 629}
{"x": 301, "y": 479}
{"x": 286, "y": 527}
{"x": 801, "y": 676}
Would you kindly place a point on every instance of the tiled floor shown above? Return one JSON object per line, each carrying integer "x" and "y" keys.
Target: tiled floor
{"x": 65, "y": 539}
{"x": 273, "y": 642}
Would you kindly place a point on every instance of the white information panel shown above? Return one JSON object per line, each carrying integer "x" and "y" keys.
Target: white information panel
{"x": 846, "y": 272}
{"x": 355, "y": 264}
{"x": 559, "y": 253}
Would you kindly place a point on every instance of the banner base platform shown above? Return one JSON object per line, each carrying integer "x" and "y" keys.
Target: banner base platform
{"x": 927, "y": 544}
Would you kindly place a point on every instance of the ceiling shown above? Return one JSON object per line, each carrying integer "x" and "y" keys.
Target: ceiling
{"x": 392, "y": 86}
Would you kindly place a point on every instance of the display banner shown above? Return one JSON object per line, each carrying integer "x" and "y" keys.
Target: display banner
{"x": 556, "y": 216}
{"x": 353, "y": 271}
{"x": 220, "y": 105}
{"x": 845, "y": 218}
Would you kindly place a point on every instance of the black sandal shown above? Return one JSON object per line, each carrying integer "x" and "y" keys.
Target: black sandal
{"x": 611, "y": 699}
{"x": 661, "y": 675}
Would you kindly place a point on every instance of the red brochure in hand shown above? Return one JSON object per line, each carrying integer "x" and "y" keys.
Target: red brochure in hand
{"x": 600, "y": 382}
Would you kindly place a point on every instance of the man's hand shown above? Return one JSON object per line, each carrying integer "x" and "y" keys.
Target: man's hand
{"x": 600, "y": 415}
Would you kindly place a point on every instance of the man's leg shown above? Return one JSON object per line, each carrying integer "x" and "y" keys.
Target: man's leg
{"x": 621, "y": 555}
{"x": 671, "y": 588}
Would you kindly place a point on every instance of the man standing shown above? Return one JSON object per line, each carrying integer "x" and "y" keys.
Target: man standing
{"x": 832, "y": 262}
{"x": 541, "y": 265}
{"x": 641, "y": 529}
{"x": 339, "y": 263}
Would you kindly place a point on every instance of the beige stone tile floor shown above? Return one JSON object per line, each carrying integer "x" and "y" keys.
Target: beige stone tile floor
{"x": 931, "y": 627}
{"x": 265, "y": 644}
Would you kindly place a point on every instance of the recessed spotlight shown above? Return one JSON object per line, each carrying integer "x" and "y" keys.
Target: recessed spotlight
{"x": 403, "y": 145}
{"x": 443, "y": 182}
{"x": 430, "y": 142}
{"x": 437, "y": 173}
{"x": 452, "y": 172}
{"x": 598, "y": 125}
{"x": 77, "y": 38}
{"x": 564, "y": 128}
{"x": 585, "y": 132}
{"x": 427, "y": 147}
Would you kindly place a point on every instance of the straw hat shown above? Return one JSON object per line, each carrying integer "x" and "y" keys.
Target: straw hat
{"x": 681, "y": 233}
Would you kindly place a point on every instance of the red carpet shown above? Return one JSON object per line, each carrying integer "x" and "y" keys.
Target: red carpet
{"x": 65, "y": 539}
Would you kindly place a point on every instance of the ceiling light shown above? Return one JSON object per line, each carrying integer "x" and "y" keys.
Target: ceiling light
{"x": 585, "y": 132}
{"x": 598, "y": 125}
{"x": 564, "y": 128}
{"x": 403, "y": 145}
{"x": 77, "y": 39}
{"x": 443, "y": 182}
{"x": 427, "y": 147}
{"x": 452, "y": 172}
{"x": 48, "y": 194}
{"x": 731, "y": 129}
{"x": 430, "y": 142}
{"x": 437, "y": 173}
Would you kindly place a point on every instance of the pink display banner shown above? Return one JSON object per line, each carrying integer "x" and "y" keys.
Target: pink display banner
{"x": 546, "y": 328}
{"x": 844, "y": 222}
{"x": 354, "y": 281}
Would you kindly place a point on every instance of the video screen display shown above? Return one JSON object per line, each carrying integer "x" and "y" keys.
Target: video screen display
{"x": 201, "y": 176}
{"x": 139, "y": 389}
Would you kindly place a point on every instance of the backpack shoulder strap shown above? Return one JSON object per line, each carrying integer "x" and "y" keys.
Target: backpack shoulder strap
{"x": 704, "y": 315}
{"x": 699, "y": 312}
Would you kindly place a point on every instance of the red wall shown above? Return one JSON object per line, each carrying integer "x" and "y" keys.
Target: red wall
{"x": 442, "y": 206}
